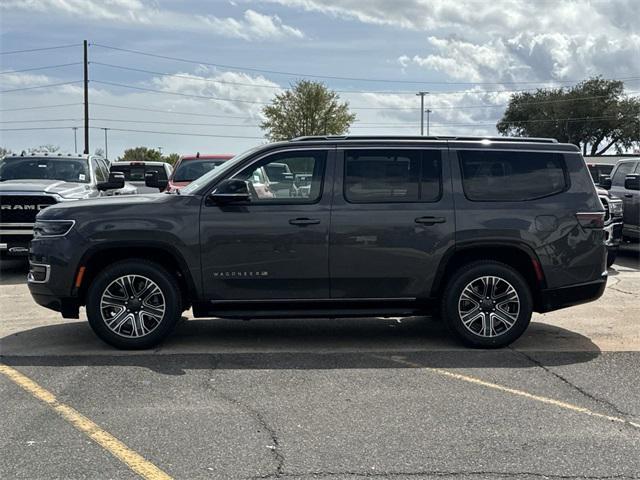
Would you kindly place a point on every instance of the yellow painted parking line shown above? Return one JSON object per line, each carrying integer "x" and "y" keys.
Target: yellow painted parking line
{"x": 514, "y": 391}
{"x": 115, "y": 447}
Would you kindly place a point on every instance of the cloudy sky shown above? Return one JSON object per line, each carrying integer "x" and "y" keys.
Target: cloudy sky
{"x": 204, "y": 69}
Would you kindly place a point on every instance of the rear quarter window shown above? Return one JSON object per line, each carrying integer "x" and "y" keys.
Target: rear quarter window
{"x": 511, "y": 176}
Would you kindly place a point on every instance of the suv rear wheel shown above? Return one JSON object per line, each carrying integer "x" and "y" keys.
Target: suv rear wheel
{"x": 487, "y": 304}
{"x": 133, "y": 304}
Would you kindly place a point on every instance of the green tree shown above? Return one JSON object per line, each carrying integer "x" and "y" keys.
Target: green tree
{"x": 141, "y": 154}
{"x": 307, "y": 108}
{"x": 5, "y": 151}
{"x": 595, "y": 115}
{"x": 171, "y": 159}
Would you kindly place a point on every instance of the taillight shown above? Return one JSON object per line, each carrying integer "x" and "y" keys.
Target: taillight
{"x": 591, "y": 219}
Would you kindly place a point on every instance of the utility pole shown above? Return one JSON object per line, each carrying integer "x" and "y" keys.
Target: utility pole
{"x": 428, "y": 112}
{"x": 86, "y": 99}
{"x": 106, "y": 144}
{"x": 421, "y": 95}
{"x": 75, "y": 139}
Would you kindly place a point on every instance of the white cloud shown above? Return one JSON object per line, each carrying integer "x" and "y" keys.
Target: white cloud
{"x": 505, "y": 40}
{"x": 252, "y": 26}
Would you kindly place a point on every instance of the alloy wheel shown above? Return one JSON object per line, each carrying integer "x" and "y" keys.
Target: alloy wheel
{"x": 132, "y": 306}
{"x": 489, "y": 306}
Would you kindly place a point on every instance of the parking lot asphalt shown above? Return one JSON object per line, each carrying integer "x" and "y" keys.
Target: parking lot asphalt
{"x": 324, "y": 399}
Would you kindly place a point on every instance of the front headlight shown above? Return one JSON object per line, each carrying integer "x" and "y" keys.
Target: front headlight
{"x": 615, "y": 208}
{"x": 52, "y": 228}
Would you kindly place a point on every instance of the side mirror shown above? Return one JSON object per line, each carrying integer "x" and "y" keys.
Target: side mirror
{"x": 605, "y": 182}
{"x": 230, "y": 191}
{"x": 152, "y": 179}
{"x": 632, "y": 182}
{"x": 116, "y": 181}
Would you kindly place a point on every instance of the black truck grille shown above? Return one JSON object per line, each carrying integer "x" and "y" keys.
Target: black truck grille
{"x": 22, "y": 208}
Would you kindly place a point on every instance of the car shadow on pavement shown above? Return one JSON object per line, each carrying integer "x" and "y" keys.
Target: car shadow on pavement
{"x": 368, "y": 343}
{"x": 13, "y": 271}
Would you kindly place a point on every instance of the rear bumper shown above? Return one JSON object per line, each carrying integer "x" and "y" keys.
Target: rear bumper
{"x": 557, "y": 298}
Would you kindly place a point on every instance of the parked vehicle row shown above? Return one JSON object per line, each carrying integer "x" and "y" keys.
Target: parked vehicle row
{"x": 486, "y": 230}
{"x": 30, "y": 183}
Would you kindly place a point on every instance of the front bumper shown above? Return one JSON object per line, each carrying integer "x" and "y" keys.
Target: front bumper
{"x": 613, "y": 233}
{"x": 557, "y": 298}
{"x": 14, "y": 245}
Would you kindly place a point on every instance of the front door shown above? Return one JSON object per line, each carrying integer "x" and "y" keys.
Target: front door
{"x": 630, "y": 198}
{"x": 391, "y": 223}
{"x": 275, "y": 246}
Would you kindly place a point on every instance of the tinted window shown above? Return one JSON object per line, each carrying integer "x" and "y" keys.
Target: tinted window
{"x": 296, "y": 178}
{"x": 135, "y": 173}
{"x": 189, "y": 170}
{"x": 387, "y": 175}
{"x": 491, "y": 175}
{"x": 624, "y": 169}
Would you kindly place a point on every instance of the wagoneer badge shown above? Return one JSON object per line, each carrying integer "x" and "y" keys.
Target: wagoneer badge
{"x": 241, "y": 274}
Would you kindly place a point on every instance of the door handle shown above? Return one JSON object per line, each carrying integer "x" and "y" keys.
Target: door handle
{"x": 430, "y": 220}
{"x": 304, "y": 221}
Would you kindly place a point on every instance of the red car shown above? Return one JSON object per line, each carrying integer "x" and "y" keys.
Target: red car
{"x": 190, "y": 167}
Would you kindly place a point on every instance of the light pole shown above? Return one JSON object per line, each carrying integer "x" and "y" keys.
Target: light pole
{"x": 106, "y": 144}
{"x": 421, "y": 95}
{"x": 428, "y": 112}
{"x": 75, "y": 140}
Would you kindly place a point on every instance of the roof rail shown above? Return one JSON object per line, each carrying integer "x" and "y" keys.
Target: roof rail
{"x": 311, "y": 138}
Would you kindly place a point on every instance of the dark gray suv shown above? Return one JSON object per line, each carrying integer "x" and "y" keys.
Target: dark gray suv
{"x": 485, "y": 230}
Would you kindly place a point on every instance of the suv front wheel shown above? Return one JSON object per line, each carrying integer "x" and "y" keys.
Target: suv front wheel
{"x": 487, "y": 304}
{"x": 133, "y": 304}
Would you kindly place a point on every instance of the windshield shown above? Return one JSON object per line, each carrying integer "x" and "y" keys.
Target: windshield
{"x": 189, "y": 170}
{"x": 74, "y": 170}
{"x": 216, "y": 172}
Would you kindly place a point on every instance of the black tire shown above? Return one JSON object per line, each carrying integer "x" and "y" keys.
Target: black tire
{"x": 611, "y": 257}
{"x": 160, "y": 326}
{"x": 471, "y": 276}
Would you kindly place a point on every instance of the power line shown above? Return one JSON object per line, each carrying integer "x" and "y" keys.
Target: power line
{"x": 34, "y": 128}
{"x": 179, "y": 133}
{"x": 40, "y": 49}
{"x": 458, "y": 107}
{"x": 331, "y": 77}
{"x": 48, "y": 67}
{"x": 152, "y": 90}
{"x": 279, "y": 87}
{"x": 39, "y": 107}
{"x": 40, "y": 86}
{"x": 167, "y": 111}
{"x": 43, "y": 120}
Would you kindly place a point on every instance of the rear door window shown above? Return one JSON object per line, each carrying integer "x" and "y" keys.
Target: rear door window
{"x": 392, "y": 175}
{"x": 508, "y": 176}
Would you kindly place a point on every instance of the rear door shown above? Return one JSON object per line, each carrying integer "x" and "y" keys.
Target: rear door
{"x": 392, "y": 220}
{"x": 275, "y": 246}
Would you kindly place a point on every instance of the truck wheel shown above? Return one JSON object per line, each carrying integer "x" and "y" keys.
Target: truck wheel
{"x": 487, "y": 304}
{"x": 133, "y": 304}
